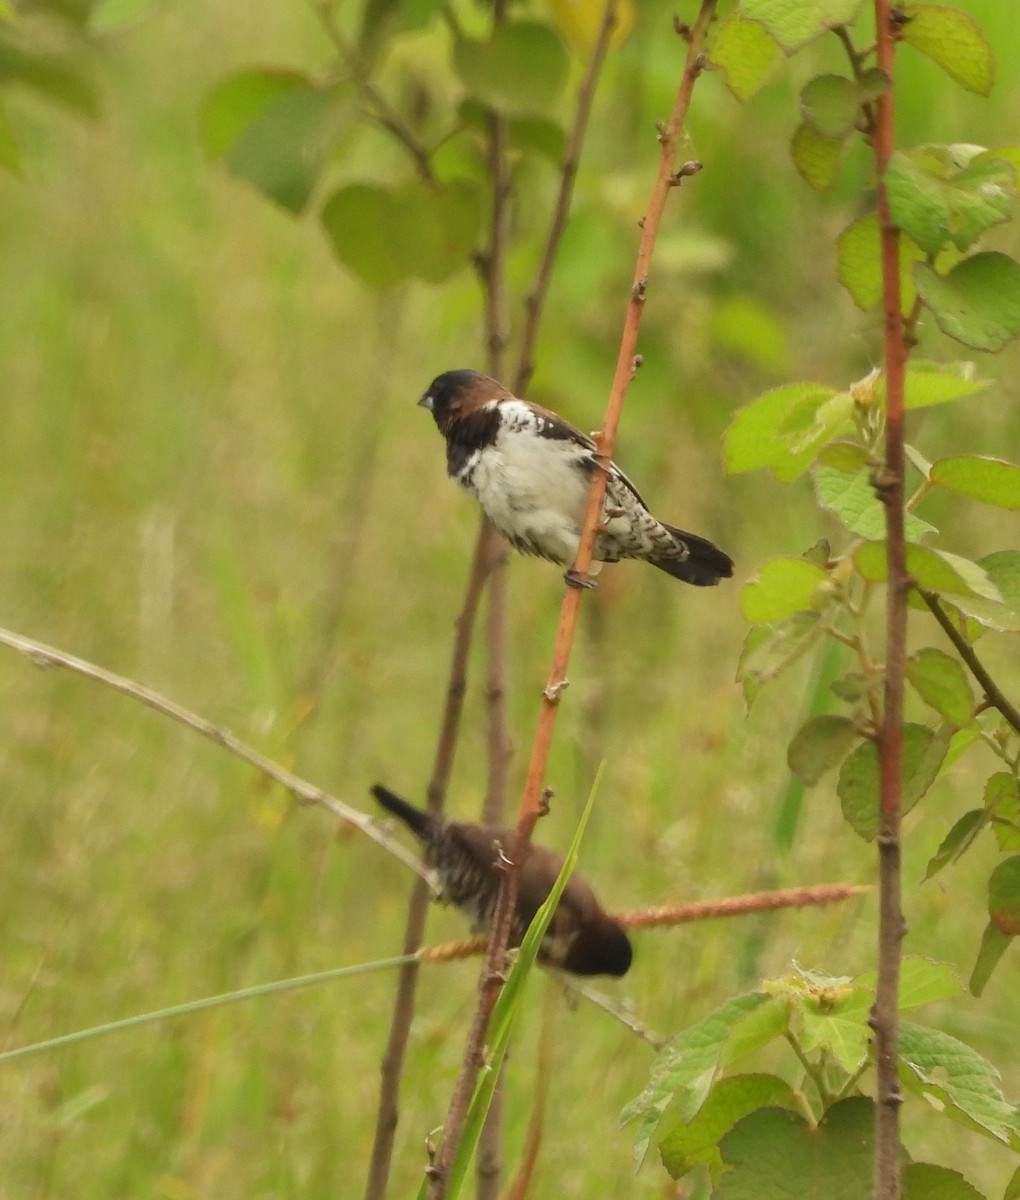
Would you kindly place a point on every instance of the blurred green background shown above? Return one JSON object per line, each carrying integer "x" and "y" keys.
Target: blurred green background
{"x": 213, "y": 479}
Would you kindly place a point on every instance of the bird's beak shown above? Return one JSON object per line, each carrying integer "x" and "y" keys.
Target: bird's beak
{"x": 426, "y": 401}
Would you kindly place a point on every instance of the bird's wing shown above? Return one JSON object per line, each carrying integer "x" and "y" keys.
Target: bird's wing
{"x": 552, "y": 425}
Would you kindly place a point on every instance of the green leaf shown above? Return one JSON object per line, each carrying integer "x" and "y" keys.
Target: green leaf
{"x": 783, "y": 429}
{"x": 1012, "y": 1191}
{"x": 108, "y": 16}
{"x": 1003, "y": 569}
{"x": 922, "y": 981}
{"x": 770, "y": 650}
{"x": 955, "y": 1075}
{"x": 783, "y": 586}
{"x": 954, "y": 41}
{"x": 977, "y": 302}
{"x": 1004, "y": 896}
{"x": 819, "y": 745}
{"x": 852, "y": 498}
{"x": 934, "y": 570}
{"x": 236, "y": 101}
{"x": 830, "y": 104}
{"x": 1002, "y": 802}
{"x": 941, "y": 681}
{"x": 685, "y": 1068}
{"x": 816, "y": 157}
{"x": 859, "y": 263}
{"x": 994, "y": 944}
{"x": 957, "y": 841}
{"x": 991, "y": 480}
{"x": 744, "y": 52}
{"x": 283, "y": 147}
{"x": 841, "y": 1026}
{"x": 384, "y": 19}
{"x": 928, "y": 383}
{"x": 695, "y": 1144}
{"x": 521, "y": 69}
{"x": 417, "y": 230}
{"x": 775, "y": 1153}
{"x": 858, "y": 785}
{"x": 926, "y": 1181}
{"x": 794, "y": 25}
{"x": 536, "y": 133}
{"x": 936, "y": 202}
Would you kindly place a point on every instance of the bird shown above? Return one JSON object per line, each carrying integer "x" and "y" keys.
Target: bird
{"x": 582, "y": 938}
{"x": 530, "y": 470}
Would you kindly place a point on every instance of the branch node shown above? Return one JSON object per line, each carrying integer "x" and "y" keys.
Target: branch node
{"x": 552, "y": 690}
{"x": 636, "y": 363}
{"x": 641, "y": 223}
{"x": 639, "y": 291}
{"x": 681, "y": 29}
{"x": 543, "y": 800}
{"x": 661, "y": 132}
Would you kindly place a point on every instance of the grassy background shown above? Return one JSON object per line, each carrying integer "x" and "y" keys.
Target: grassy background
{"x": 213, "y": 479}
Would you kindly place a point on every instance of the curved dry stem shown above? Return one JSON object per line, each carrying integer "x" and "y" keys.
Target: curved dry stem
{"x": 47, "y": 656}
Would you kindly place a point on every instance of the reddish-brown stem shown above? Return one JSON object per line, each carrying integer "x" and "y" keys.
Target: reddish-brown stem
{"x": 530, "y": 809}
{"x": 403, "y": 1005}
{"x": 891, "y": 926}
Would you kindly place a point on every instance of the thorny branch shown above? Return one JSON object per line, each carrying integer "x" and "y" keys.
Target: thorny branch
{"x": 530, "y": 805}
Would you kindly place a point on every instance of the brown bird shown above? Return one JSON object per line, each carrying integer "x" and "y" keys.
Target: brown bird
{"x": 530, "y": 470}
{"x": 581, "y": 937}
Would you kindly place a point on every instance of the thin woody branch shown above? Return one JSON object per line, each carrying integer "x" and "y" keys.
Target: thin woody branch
{"x": 47, "y": 656}
{"x": 530, "y": 805}
{"x": 890, "y": 744}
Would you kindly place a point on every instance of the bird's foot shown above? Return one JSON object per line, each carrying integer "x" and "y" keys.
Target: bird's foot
{"x": 578, "y": 579}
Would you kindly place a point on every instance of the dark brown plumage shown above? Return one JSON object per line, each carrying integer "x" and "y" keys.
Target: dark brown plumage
{"x": 530, "y": 470}
{"x": 581, "y": 938}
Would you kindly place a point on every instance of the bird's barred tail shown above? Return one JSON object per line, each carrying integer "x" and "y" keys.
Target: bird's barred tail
{"x": 703, "y": 565}
{"x": 419, "y": 822}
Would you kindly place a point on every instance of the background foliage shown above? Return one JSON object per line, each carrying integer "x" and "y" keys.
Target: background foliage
{"x": 213, "y": 478}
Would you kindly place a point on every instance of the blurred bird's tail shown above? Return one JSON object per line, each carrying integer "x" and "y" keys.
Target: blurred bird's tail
{"x": 417, "y": 820}
{"x": 703, "y": 565}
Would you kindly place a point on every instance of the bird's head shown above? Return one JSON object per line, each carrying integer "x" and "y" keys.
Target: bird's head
{"x": 454, "y": 394}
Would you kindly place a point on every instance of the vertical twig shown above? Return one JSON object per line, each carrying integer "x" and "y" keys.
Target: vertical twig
{"x": 489, "y": 1166}
{"x": 403, "y": 1005}
{"x": 890, "y": 488}
{"x": 530, "y": 805}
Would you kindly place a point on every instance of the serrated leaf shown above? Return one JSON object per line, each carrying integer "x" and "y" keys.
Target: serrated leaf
{"x": 957, "y": 841}
{"x": 775, "y": 1153}
{"x": 941, "y": 681}
{"x": 784, "y": 428}
{"x": 952, "y": 39}
{"x": 935, "y": 202}
{"x": 977, "y": 302}
{"x": 926, "y": 1181}
{"x": 521, "y": 69}
{"x": 934, "y": 570}
{"x": 859, "y": 263}
{"x": 783, "y": 586}
{"x": 691, "y": 1058}
{"x": 1004, "y": 896}
{"x": 1003, "y": 569}
{"x": 794, "y": 25}
{"x": 819, "y": 745}
{"x": 847, "y": 457}
{"x": 991, "y": 480}
{"x": 696, "y": 1144}
{"x": 859, "y": 778}
{"x": 852, "y": 498}
{"x": 744, "y": 52}
{"x": 841, "y": 1027}
{"x": 816, "y": 157}
{"x": 830, "y": 105}
{"x": 953, "y": 1073}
